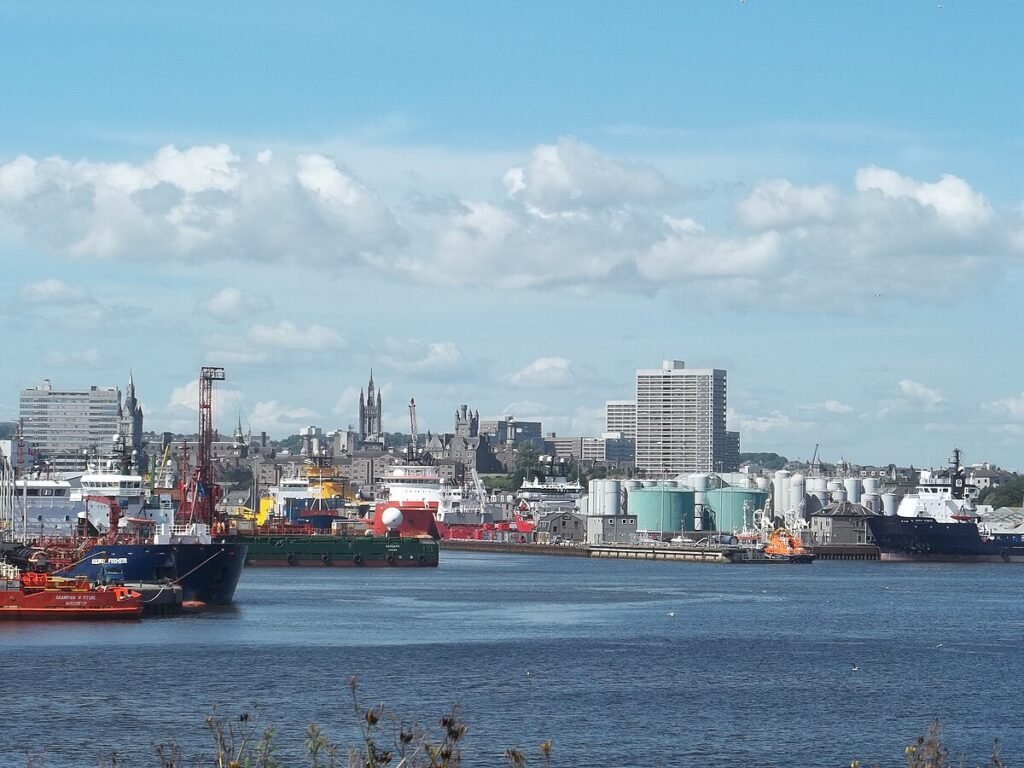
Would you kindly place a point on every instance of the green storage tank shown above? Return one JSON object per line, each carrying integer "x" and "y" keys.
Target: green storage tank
{"x": 727, "y": 505}
{"x": 661, "y": 510}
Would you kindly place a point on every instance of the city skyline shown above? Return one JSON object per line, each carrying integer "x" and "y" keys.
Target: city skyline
{"x": 518, "y": 209}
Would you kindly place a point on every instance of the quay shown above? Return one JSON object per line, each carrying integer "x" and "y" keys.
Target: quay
{"x": 626, "y": 552}
{"x": 158, "y": 599}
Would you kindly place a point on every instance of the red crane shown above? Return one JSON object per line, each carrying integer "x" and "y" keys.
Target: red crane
{"x": 199, "y": 493}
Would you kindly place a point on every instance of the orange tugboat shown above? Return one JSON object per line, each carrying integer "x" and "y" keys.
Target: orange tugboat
{"x": 784, "y": 547}
{"x": 31, "y": 595}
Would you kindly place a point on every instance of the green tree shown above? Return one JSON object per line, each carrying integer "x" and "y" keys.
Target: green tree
{"x": 526, "y": 463}
{"x": 1009, "y": 494}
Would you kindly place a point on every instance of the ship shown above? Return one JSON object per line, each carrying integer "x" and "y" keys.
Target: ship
{"x": 941, "y": 522}
{"x": 309, "y": 520}
{"x": 782, "y": 546}
{"x": 35, "y": 595}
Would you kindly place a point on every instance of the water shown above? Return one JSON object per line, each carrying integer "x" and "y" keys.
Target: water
{"x": 756, "y": 667}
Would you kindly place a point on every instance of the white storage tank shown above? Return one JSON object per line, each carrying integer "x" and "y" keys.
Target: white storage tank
{"x": 833, "y": 485}
{"x": 852, "y": 485}
{"x": 872, "y": 485}
{"x": 584, "y": 503}
{"x": 797, "y": 490}
{"x": 890, "y": 503}
{"x": 780, "y": 499}
{"x": 699, "y": 482}
{"x": 871, "y": 501}
{"x": 612, "y": 498}
{"x": 762, "y": 484}
{"x": 839, "y": 495}
{"x": 596, "y": 495}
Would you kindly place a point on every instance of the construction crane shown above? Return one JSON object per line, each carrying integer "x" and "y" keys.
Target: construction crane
{"x": 412, "y": 429}
{"x": 199, "y": 493}
{"x": 814, "y": 458}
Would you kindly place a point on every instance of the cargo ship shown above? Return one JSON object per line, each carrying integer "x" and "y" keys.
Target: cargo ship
{"x": 31, "y": 595}
{"x": 940, "y": 522}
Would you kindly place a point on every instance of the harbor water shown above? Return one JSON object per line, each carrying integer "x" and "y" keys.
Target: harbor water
{"x": 619, "y": 663}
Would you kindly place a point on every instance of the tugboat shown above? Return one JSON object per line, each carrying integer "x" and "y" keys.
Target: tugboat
{"x": 784, "y": 547}
{"x": 32, "y": 595}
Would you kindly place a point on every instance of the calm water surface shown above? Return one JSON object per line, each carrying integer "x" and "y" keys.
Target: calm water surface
{"x": 756, "y": 667}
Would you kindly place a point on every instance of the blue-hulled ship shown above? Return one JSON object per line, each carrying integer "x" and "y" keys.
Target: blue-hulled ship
{"x": 940, "y": 522}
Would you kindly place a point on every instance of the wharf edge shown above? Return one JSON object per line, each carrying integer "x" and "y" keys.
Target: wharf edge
{"x": 823, "y": 552}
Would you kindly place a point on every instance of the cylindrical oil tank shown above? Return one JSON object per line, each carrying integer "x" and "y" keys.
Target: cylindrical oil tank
{"x": 871, "y": 501}
{"x": 872, "y": 485}
{"x": 668, "y": 484}
{"x": 839, "y": 495}
{"x": 596, "y": 494}
{"x": 612, "y": 498}
{"x": 852, "y": 485}
{"x": 699, "y": 481}
{"x": 727, "y": 506}
{"x": 662, "y": 510}
{"x": 890, "y": 503}
{"x": 585, "y": 506}
{"x": 797, "y": 490}
{"x": 763, "y": 483}
{"x": 781, "y": 490}
{"x": 632, "y": 484}
{"x": 833, "y": 485}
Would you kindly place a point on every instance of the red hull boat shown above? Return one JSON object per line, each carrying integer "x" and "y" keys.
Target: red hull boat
{"x": 41, "y": 596}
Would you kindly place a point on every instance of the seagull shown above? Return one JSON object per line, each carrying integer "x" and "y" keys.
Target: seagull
{"x": 855, "y": 668}
{"x": 671, "y": 613}
{"x": 939, "y": 645}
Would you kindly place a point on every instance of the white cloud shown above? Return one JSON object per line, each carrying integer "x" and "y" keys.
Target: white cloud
{"x": 921, "y": 394}
{"x": 828, "y": 406}
{"x": 195, "y": 204}
{"x": 544, "y": 372}
{"x": 776, "y": 421}
{"x": 228, "y": 304}
{"x": 237, "y": 357}
{"x": 347, "y": 404}
{"x": 271, "y": 416}
{"x": 1011, "y": 407}
{"x": 83, "y": 358}
{"x": 186, "y": 398}
{"x": 566, "y": 217}
{"x": 288, "y": 336}
{"x": 52, "y": 291}
{"x": 416, "y": 357}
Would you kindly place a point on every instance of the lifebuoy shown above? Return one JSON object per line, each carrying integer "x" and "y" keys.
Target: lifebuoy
{"x": 357, "y": 559}
{"x": 391, "y": 559}
{"x": 325, "y": 559}
{"x": 291, "y": 559}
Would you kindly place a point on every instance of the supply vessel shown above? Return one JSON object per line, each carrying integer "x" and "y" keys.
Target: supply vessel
{"x": 33, "y": 595}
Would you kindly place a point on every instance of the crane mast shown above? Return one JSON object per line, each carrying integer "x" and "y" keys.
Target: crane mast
{"x": 199, "y": 495}
{"x": 412, "y": 429}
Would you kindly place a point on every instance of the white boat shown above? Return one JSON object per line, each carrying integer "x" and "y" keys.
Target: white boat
{"x": 422, "y": 485}
{"x": 552, "y": 494}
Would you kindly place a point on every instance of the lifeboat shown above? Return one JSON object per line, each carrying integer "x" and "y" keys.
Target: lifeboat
{"x": 783, "y": 546}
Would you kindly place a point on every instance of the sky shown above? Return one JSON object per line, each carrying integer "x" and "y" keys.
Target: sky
{"x": 517, "y": 205}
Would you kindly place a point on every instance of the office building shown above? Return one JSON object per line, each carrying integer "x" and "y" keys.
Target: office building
{"x": 680, "y": 421}
{"x": 63, "y": 428}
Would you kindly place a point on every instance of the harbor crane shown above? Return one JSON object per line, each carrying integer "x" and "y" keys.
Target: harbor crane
{"x": 414, "y": 435}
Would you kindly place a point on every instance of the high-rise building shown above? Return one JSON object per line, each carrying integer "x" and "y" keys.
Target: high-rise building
{"x": 65, "y": 427}
{"x": 680, "y": 421}
{"x": 620, "y": 416}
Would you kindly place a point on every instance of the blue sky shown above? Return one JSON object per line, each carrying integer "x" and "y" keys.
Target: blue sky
{"x": 517, "y": 205}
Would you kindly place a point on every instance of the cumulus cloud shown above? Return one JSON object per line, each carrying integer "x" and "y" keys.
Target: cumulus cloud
{"x": 227, "y": 304}
{"x": 288, "y": 336}
{"x": 271, "y": 416}
{"x": 1007, "y": 407}
{"x": 544, "y": 372}
{"x": 776, "y": 421}
{"x": 82, "y": 358}
{"x": 416, "y": 357}
{"x": 567, "y": 217}
{"x": 52, "y": 291}
{"x": 198, "y": 203}
{"x": 921, "y": 394}
{"x": 829, "y": 406}
{"x": 186, "y": 398}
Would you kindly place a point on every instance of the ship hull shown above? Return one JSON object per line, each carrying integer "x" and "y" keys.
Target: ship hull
{"x": 69, "y": 604}
{"x": 922, "y": 539}
{"x": 339, "y": 551}
{"x": 207, "y": 573}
